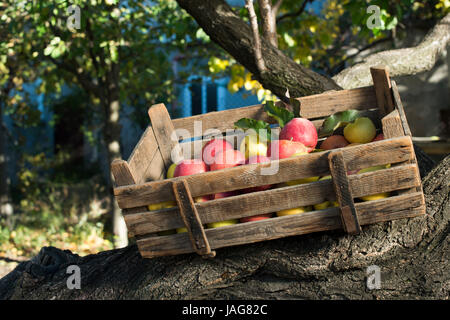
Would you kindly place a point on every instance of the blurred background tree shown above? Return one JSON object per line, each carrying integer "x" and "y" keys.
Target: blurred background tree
{"x": 85, "y": 66}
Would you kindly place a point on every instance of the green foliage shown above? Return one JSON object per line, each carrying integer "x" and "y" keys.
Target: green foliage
{"x": 259, "y": 127}
{"x": 321, "y": 40}
{"x": 282, "y": 115}
{"x": 339, "y": 119}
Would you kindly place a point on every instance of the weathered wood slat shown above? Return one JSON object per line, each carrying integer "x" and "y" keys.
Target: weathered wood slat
{"x": 401, "y": 110}
{"x": 164, "y": 134}
{"x": 401, "y": 124}
{"x": 145, "y": 160}
{"x": 382, "y": 85}
{"x": 275, "y": 199}
{"x": 314, "y": 164}
{"x": 409, "y": 205}
{"x": 190, "y": 218}
{"x": 314, "y": 106}
{"x": 343, "y": 192}
{"x": 392, "y": 125}
{"x": 123, "y": 176}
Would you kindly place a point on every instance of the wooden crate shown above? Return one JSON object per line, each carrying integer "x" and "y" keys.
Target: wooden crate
{"x": 139, "y": 181}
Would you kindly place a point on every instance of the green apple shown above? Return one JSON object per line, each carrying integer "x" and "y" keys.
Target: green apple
{"x": 252, "y": 145}
{"x": 362, "y": 130}
{"x": 222, "y": 223}
{"x": 298, "y": 210}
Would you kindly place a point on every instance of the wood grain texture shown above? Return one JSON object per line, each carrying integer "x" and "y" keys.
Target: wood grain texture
{"x": 343, "y": 192}
{"x": 382, "y": 85}
{"x": 314, "y": 106}
{"x": 190, "y": 218}
{"x": 400, "y": 109}
{"x": 163, "y": 130}
{"x": 392, "y": 125}
{"x": 403, "y": 126}
{"x": 313, "y": 164}
{"x": 142, "y": 156}
{"x": 398, "y": 207}
{"x": 123, "y": 176}
{"x": 273, "y": 200}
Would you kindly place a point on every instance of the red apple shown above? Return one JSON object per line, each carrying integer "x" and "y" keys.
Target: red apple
{"x": 212, "y": 147}
{"x": 334, "y": 142}
{"x": 282, "y": 149}
{"x": 256, "y": 218}
{"x": 221, "y": 195}
{"x": 300, "y": 130}
{"x": 189, "y": 166}
{"x": 227, "y": 159}
{"x": 378, "y": 137}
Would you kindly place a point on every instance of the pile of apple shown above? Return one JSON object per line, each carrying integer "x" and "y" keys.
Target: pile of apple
{"x": 298, "y": 136}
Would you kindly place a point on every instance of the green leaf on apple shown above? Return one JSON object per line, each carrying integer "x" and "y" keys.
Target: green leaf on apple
{"x": 282, "y": 115}
{"x": 261, "y": 127}
{"x": 339, "y": 119}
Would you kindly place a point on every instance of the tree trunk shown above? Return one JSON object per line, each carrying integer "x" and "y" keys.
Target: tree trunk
{"x": 412, "y": 255}
{"x": 228, "y": 30}
{"x": 6, "y": 207}
{"x": 111, "y": 134}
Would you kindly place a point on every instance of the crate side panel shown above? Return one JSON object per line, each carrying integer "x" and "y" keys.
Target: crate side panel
{"x": 314, "y": 106}
{"x": 240, "y": 177}
{"x": 274, "y": 200}
{"x": 324, "y": 220}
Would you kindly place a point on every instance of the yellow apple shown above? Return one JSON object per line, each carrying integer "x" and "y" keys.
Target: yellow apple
{"x": 161, "y": 205}
{"x": 171, "y": 171}
{"x": 362, "y": 130}
{"x": 325, "y": 205}
{"x": 252, "y": 145}
{"x": 222, "y": 223}
{"x": 288, "y": 212}
{"x": 302, "y": 181}
{"x": 181, "y": 230}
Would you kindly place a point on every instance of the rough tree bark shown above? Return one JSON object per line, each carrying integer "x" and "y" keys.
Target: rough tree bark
{"x": 413, "y": 255}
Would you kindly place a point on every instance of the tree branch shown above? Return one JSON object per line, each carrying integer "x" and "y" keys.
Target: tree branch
{"x": 276, "y": 7}
{"x": 268, "y": 22}
{"x": 256, "y": 39}
{"x": 294, "y": 14}
{"x": 406, "y": 61}
{"x": 234, "y": 35}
